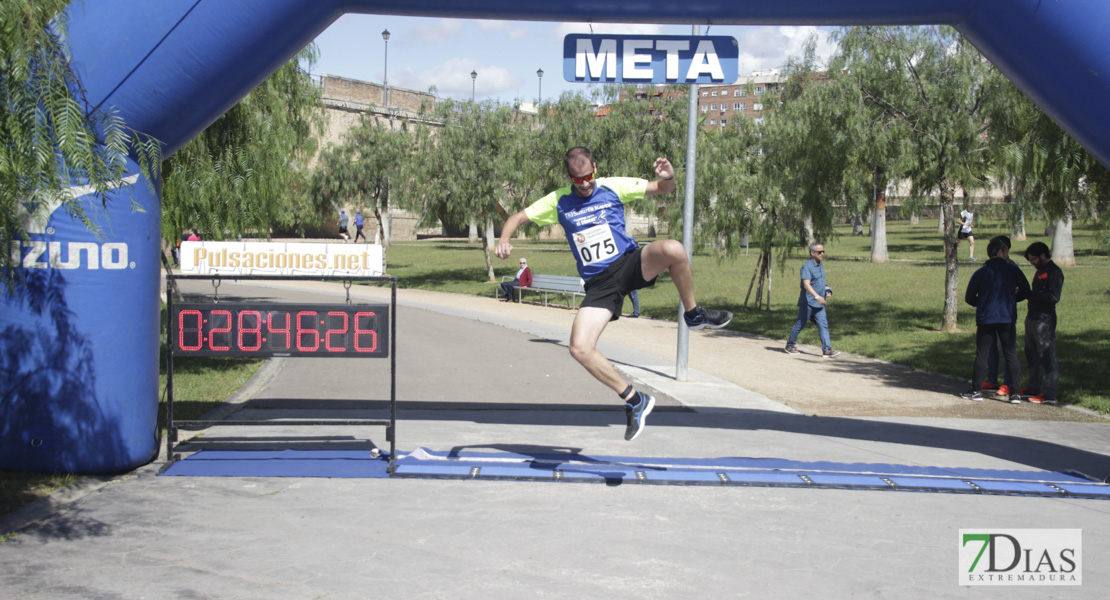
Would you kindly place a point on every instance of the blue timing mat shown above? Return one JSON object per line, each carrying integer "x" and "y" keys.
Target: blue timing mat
{"x": 280, "y": 463}
{"x": 763, "y": 472}
{"x": 766, "y": 472}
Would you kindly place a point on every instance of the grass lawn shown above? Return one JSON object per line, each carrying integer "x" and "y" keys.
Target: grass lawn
{"x": 888, "y": 311}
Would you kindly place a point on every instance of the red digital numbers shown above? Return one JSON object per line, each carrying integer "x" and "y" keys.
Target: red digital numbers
{"x": 239, "y": 329}
{"x": 184, "y": 333}
{"x": 276, "y": 331}
{"x": 371, "y": 332}
{"x": 343, "y": 319}
{"x": 253, "y": 330}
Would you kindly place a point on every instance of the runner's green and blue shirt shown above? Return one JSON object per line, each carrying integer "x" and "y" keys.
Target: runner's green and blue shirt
{"x": 594, "y": 226}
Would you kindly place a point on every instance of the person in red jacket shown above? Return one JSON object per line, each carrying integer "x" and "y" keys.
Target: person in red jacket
{"x": 523, "y": 279}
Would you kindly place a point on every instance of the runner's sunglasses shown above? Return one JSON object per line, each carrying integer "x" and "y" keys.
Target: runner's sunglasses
{"x": 582, "y": 179}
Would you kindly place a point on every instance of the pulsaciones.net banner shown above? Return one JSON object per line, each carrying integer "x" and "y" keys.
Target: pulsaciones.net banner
{"x": 281, "y": 258}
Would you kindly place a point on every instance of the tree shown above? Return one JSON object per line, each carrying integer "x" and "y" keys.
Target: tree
{"x": 360, "y": 172}
{"x": 247, "y": 173}
{"x": 51, "y": 138}
{"x": 932, "y": 82}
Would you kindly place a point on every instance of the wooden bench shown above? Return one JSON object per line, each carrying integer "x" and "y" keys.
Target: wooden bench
{"x": 550, "y": 284}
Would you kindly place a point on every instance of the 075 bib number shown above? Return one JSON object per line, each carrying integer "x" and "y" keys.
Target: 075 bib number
{"x": 595, "y": 244}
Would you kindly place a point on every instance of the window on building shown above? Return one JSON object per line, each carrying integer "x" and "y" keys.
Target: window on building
{"x": 759, "y": 90}
{"x": 757, "y": 106}
{"x": 704, "y": 108}
{"x": 737, "y": 93}
{"x": 705, "y": 93}
{"x": 712, "y": 107}
{"x": 738, "y": 106}
{"x": 714, "y": 94}
{"x": 712, "y": 121}
{"x": 724, "y": 122}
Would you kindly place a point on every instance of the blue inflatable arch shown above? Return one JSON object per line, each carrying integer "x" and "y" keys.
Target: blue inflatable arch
{"x": 79, "y": 341}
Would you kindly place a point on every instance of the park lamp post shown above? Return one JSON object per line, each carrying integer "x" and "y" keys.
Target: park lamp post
{"x": 385, "y": 73}
{"x": 539, "y": 94}
{"x": 473, "y": 82}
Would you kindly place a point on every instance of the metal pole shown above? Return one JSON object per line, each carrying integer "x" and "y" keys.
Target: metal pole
{"x": 683, "y": 359}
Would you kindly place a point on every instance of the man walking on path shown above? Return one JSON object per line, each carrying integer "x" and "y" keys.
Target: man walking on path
{"x": 359, "y": 222}
{"x": 994, "y": 290}
{"x": 343, "y": 222}
{"x": 812, "y": 302}
{"x": 1040, "y": 326}
{"x": 591, "y": 212}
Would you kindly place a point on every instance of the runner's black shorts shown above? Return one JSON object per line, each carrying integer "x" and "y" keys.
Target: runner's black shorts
{"x": 608, "y": 288}
{"x": 963, "y": 235}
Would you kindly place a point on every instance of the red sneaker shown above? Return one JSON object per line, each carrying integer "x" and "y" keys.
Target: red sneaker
{"x": 1040, "y": 399}
{"x": 989, "y": 386}
{"x": 1003, "y": 390}
{"x": 1027, "y": 393}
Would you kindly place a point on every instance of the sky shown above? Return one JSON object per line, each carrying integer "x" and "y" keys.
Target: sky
{"x": 426, "y": 52}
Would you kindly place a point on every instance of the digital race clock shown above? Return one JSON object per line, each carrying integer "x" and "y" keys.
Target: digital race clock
{"x": 252, "y": 329}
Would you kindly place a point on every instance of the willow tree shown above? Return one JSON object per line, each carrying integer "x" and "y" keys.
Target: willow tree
{"x": 51, "y": 138}
{"x": 934, "y": 83}
{"x": 362, "y": 170}
{"x": 247, "y": 172}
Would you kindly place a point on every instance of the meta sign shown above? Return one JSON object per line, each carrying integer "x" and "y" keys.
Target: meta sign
{"x": 642, "y": 59}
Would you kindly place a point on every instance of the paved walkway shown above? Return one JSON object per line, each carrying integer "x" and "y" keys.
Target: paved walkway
{"x": 140, "y": 535}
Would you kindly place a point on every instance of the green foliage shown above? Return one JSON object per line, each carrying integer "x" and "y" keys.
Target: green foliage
{"x": 51, "y": 140}
{"x": 247, "y": 172}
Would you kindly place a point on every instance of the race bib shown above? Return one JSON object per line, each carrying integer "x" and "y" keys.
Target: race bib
{"x": 595, "y": 244}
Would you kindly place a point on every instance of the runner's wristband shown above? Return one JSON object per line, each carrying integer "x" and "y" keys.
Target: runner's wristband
{"x": 667, "y": 178}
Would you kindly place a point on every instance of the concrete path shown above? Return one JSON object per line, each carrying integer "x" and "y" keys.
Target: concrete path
{"x": 474, "y": 374}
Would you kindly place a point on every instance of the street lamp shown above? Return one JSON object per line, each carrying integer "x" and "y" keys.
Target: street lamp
{"x": 385, "y": 75}
{"x": 539, "y": 74}
{"x": 473, "y": 82}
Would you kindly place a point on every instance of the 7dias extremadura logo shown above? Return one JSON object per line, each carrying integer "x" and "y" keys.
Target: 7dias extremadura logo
{"x": 1021, "y": 557}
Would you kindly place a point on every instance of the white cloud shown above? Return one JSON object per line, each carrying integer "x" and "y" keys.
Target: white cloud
{"x": 770, "y": 47}
{"x": 434, "y": 31}
{"x": 452, "y": 78}
{"x": 514, "y": 29}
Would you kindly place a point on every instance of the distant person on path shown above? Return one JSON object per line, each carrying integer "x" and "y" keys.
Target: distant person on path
{"x": 193, "y": 236}
{"x": 523, "y": 279}
{"x": 635, "y": 297}
{"x": 812, "y": 302}
{"x": 343, "y": 223}
{"x": 965, "y": 232}
{"x": 591, "y": 212}
{"x": 359, "y": 222}
{"x": 1040, "y": 325}
{"x": 994, "y": 290}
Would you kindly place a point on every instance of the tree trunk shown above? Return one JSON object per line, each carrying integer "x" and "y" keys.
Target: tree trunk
{"x": 472, "y": 235}
{"x": 486, "y": 247}
{"x": 915, "y": 218}
{"x": 879, "y": 252}
{"x": 951, "y": 262}
{"x": 940, "y": 219}
{"x": 857, "y": 225}
{"x": 808, "y": 224}
{"x": 1063, "y": 245}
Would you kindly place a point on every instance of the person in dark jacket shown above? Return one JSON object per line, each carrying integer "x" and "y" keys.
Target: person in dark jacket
{"x": 994, "y": 290}
{"x": 1040, "y": 326}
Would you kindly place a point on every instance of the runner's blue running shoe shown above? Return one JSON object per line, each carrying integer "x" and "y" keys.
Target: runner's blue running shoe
{"x": 637, "y": 414}
{"x": 713, "y": 319}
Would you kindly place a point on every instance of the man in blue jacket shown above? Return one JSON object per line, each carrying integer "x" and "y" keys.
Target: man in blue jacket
{"x": 994, "y": 290}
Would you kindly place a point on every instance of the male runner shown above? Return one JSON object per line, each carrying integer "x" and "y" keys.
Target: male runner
{"x": 591, "y": 212}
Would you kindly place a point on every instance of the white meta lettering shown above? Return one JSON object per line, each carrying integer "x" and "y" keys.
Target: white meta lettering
{"x": 705, "y": 62}
{"x": 672, "y": 48}
{"x": 606, "y": 56}
{"x": 632, "y": 58}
